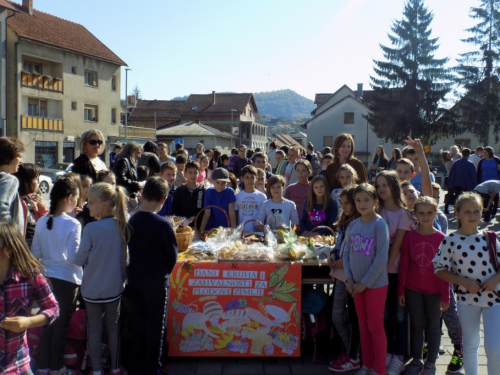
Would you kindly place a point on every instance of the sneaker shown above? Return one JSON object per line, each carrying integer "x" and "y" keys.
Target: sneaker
{"x": 388, "y": 360}
{"x": 121, "y": 371}
{"x": 345, "y": 364}
{"x": 429, "y": 369}
{"x": 363, "y": 371}
{"x": 425, "y": 351}
{"x": 414, "y": 368}
{"x": 441, "y": 350}
{"x": 335, "y": 362}
{"x": 396, "y": 366}
{"x": 457, "y": 362}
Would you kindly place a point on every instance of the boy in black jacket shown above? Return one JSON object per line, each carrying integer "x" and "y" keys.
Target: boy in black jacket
{"x": 153, "y": 254}
{"x": 190, "y": 196}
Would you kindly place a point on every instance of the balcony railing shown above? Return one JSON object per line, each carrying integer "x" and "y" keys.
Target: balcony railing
{"x": 42, "y": 123}
{"x": 137, "y": 132}
{"x": 40, "y": 82}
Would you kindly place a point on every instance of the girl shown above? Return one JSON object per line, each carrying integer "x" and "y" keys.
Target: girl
{"x": 260, "y": 185}
{"x": 395, "y": 156}
{"x": 203, "y": 160}
{"x": 424, "y": 294}
{"x": 318, "y": 209}
{"x": 463, "y": 259}
{"x": 347, "y": 176}
{"x": 22, "y": 283}
{"x": 31, "y": 198}
{"x": 84, "y": 216}
{"x": 214, "y": 163}
{"x": 399, "y": 220}
{"x": 233, "y": 183}
{"x": 277, "y": 211}
{"x": 298, "y": 191}
{"x": 365, "y": 266}
{"x": 379, "y": 161}
{"x": 56, "y": 241}
{"x": 79, "y": 203}
{"x": 103, "y": 253}
{"x": 344, "y": 317}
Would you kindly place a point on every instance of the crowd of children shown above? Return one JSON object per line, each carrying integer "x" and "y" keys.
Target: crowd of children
{"x": 392, "y": 259}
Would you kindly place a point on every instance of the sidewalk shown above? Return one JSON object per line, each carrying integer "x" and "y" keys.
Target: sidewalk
{"x": 304, "y": 365}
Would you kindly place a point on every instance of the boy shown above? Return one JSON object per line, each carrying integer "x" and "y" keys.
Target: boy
{"x": 248, "y": 201}
{"x": 142, "y": 173}
{"x": 189, "y": 197}
{"x": 233, "y": 158}
{"x": 180, "y": 161}
{"x": 293, "y": 156}
{"x": 260, "y": 161}
{"x": 221, "y": 196}
{"x": 224, "y": 159}
{"x": 242, "y": 161}
{"x": 261, "y": 181}
{"x": 404, "y": 169}
{"x": 281, "y": 162}
{"x": 168, "y": 172}
{"x": 421, "y": 168}
{"x": 488, "y": 191}
{"x": 443, "y": 221}
{"x": 148, "y": 277}
{"x": 327, "y": 160}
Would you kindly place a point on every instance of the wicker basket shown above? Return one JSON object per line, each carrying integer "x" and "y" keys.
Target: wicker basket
{"x": 258, "y": 222}
{"x": 205, "y": 208}
{"x": 184, "y": 240}
{"x": 330, "y": 229}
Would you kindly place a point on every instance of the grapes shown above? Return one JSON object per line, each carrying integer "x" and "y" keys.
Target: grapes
{"x": 181, "y": 307}
{"x": 234, "y": 304}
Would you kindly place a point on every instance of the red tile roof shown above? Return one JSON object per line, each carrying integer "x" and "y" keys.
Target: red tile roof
{"x": 202, "y": 104}
{"x": 54, "y": 31}
{"x": 166, "y": 110}
{"x": 6, "y": 4}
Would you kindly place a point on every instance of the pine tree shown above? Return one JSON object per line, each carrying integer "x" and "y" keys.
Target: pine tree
{"x": 411, "y": 85}
{"x": 478, "y": 70}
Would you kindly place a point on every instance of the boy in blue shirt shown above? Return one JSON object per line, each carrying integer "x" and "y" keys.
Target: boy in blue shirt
{"x": 221, "y": 196}
{"x": 168, "y": 171}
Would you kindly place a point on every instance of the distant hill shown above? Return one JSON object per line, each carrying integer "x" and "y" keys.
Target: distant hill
{"x": 284, "y": 103}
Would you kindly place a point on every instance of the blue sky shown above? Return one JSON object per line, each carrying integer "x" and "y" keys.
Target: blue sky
{"x": 176, "y": 48}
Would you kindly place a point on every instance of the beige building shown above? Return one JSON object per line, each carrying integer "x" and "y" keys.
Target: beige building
{"x": 61, "y": 82}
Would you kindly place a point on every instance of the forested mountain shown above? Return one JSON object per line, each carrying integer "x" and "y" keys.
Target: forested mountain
{"x": 284, "y": 103}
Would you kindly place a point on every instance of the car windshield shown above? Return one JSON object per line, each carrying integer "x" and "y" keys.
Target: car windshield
{"x": 59, "y": 166}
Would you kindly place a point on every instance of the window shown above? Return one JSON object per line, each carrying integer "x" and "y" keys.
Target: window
{"x": 328, "y": 141}
{"x": 90, "y": 78}
{"x": 348, "y": 117}
{"x": 90, "y": 113}
{"x": 113, "y": 115}
{"x": 73, "y": 70}
{"x": 32, "y": 110}
{"x": 73, "y": 106}
{"x": 113, "y": 83}
{"x": 31, "y": 67}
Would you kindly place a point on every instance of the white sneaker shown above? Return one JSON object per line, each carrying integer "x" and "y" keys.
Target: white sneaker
{"x": 396, "y": 366}
{"x": 388, "y": 360}
{"x": 363, "y": 371}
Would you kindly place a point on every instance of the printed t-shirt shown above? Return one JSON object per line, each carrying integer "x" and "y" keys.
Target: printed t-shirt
{"x": 400, "y": 219}
{"x": 248, "y": 205}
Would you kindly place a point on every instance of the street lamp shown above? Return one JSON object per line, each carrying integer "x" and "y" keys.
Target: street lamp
{"x": 231, "y": 132}
{"x": 126, "y": 102}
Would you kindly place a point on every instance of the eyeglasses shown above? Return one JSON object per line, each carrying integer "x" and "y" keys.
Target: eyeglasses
{"x": 94, "y": 142}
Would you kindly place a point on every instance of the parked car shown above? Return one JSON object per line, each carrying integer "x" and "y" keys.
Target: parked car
{"x": 56, "y": 170}
{"x": 45, "y": 184}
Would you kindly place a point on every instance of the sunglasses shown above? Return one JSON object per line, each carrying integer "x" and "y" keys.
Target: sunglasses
{"x": 94, "y": 142}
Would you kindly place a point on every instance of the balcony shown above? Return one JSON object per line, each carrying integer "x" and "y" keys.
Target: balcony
{"x": 42, "y": 123}
{"x": 40, "y": 82}
{"x": 137, "y": 132}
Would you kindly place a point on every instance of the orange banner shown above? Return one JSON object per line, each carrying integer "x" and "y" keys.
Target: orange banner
{"x": 235, "y": 309}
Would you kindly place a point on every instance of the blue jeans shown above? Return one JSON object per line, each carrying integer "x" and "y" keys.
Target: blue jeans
{"x": 470, "y": 319}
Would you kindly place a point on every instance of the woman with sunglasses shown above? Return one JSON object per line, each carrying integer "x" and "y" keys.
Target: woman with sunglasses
{"x": 92, "y": 144}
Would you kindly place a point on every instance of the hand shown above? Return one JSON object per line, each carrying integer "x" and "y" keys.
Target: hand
{"x": 16, "y": 324}
{"x": 443, "y": 306}
{"x": 402, "y": 300}
{"x": 77, "y": 210}
{"x": 490, "y": 284}
{"x": 471, "y": 286}
{"x": 338, "y": 264}
{"x": 414, "y": 144}
{"x": 349, "y": 283}
{"x": 332, "y": 260}
{"x": 357, "y": 289}
{"x": 37, "y": 198}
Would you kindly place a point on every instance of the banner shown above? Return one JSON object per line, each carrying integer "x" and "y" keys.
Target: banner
{"x": 235, "y": 309}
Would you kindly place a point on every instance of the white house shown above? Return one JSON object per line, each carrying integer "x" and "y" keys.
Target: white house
{"x": 342, "y": 112}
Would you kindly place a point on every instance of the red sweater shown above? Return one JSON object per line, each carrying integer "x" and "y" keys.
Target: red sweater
{"x": 416, "y": 271}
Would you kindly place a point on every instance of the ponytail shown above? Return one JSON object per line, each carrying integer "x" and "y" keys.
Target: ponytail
{"x": 117, "y": 199}
{"x": 63, "y": 187}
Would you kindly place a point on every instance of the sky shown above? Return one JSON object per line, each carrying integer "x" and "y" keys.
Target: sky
{"x": 177, "y": 48}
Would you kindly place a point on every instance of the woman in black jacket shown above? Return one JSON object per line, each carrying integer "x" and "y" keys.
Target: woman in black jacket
{"x": 125, "y": 168}
{"x": 92, "y": 144}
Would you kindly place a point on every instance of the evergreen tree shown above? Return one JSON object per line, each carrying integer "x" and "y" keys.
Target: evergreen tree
{"x": 478, "y": 70}
{"x": 411, "y": 85}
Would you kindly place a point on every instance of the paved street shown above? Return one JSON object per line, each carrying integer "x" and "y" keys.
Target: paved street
{"x": 303, "y": 365}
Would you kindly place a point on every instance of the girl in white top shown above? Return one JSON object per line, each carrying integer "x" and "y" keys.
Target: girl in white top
{"x": 56, "y": 242}
{"x": 347, "y": 175}
{"x": 463, "y": 259}
{"x": 277, "y": 210}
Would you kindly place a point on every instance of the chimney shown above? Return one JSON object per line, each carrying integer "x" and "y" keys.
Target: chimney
{"x": 213, "y": 97}
{"x": 360, "y": 91}
{"x": 28, "y": 5}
